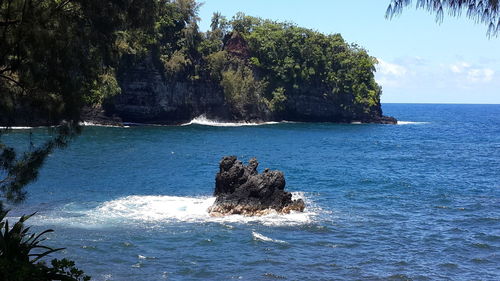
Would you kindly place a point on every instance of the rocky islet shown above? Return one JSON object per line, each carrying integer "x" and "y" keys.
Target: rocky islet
{"x": 240, "y": 189}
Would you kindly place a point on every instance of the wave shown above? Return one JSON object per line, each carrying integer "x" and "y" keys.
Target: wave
{"x": 259, "y": 237}
{"x": 411, "y": 123}
{"x": 84, "y": 123}
{"x": 25, "y": 127}
{"x": 158, "y": 210}
{"x": 203, "y": 120}
{"x": 17, "y": 128}
{"x": 92, "y": 124}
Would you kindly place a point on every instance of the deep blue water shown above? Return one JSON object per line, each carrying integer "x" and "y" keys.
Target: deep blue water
{"x": 416, "y": 201}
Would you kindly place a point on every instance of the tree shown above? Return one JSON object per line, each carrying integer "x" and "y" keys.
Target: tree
{"x": 481, "y": 11}
{"x": 56, "y": 56}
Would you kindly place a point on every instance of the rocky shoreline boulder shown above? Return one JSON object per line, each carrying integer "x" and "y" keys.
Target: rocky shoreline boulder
{"x": 242, "y": 190}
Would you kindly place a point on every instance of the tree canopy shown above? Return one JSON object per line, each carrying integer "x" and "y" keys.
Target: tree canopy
{"x": 481, "y": 11}
{"x": 56, "y": 56}
{"x": 280, "y": 61}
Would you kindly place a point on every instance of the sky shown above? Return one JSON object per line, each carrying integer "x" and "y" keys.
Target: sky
{"x": 420, "y": 61}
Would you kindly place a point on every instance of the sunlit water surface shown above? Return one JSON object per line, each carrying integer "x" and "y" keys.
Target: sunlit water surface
{"x": 414, "y": 201}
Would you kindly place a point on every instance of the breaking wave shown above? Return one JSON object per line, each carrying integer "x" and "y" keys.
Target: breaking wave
{"x": 24, "y": 127}
{"x": 259, "y": 237}
{"x": 84, "y": 123}
{"x": 158, "y": 210}
{"x": 94, "y": 124}
{"x": 411, "y": 123}
{"x": 203, "y": 120}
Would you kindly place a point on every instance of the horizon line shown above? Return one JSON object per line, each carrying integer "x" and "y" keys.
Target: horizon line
{"x": 455, "y": 103}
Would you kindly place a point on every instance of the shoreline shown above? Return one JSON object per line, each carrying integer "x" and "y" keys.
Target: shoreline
{"x": 202, "y": 121}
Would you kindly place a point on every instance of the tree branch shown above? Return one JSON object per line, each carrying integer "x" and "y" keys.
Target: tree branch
{"x": 5, "y": 69}
{"x": 12, "y": 80}
{"x": 7, "y": 179}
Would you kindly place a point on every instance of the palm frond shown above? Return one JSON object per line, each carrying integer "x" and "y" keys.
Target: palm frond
{"x": 480, "y": 11}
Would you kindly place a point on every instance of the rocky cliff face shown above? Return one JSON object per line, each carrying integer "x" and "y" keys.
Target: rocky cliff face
{"x": 305, "y": 107}
{"x": 147, "y": 97}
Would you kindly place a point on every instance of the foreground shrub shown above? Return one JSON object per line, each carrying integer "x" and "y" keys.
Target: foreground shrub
{"x": 21, "y": 254}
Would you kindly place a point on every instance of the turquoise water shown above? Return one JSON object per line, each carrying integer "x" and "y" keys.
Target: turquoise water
{"x": 415, "y": 201}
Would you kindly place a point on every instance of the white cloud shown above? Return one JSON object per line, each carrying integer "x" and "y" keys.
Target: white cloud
{"x": 488, "y": 74}
{"x": 472, "y": 74}
{"x": 392, "y": 69}
{"x": 458, "y": 80}
{"x": 459, "y": 67}
{"x": 480, "y": 75}
{"x": 390, "y": 74}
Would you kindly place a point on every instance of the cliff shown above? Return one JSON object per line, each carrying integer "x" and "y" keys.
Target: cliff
{"x": 148, "y": 96}
{"x": 245, "y": 69}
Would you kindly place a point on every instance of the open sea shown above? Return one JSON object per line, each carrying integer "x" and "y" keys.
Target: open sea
{"x": 414, "y": 201}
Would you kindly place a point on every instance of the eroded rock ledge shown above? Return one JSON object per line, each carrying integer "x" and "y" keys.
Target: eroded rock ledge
{"x": 242, "y": 190}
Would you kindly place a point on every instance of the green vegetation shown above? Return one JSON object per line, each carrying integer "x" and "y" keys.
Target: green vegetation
{"x": 20, "y": 254}
{"x": 55, "y": 57}
{"x": 481, "y": 11}
{"x": 241, "y": 88}
{"x": 283, "y": 61}
{"x": 58, "y": 56}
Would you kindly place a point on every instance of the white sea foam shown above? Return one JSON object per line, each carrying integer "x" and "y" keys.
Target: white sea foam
{"x": 158, "y": 210}
{"x": 16, "y": 128}
{"x": 259, "y": 237}
{"x": 24, "y": 127}
{"x": 92, "y": 124}
{"x": 411, "y": 123}
{"x": 84, "y": 123}
{"x": 154, "y": 208}
{"x": 203, "y": 120}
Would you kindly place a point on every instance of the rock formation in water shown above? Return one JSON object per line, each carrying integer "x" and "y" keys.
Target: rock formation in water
{"x": 242, "y": 190}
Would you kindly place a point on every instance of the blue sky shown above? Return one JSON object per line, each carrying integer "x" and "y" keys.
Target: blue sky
{"x": 420, "y": 61}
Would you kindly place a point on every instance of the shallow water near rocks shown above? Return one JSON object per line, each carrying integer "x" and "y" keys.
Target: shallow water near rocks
{"x": 415, "y": 201}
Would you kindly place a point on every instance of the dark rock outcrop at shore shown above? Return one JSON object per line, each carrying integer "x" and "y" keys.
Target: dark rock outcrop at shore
{"x": 97, "y": 116}
{"x": 242, "y": 190}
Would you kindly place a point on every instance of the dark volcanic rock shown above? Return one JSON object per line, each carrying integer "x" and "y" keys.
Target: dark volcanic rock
{"x": 97, "y": 116}
{"x": 242, "y": 190}
{"x": 149, "y": 97}
{"x": 384, "y": 120}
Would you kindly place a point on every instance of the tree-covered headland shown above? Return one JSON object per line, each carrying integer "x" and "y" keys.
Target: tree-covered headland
{"x": 265, "y": 69}
{"x": 276, "y": 64}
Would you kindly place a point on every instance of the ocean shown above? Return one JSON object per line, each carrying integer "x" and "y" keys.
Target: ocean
{"x": 415, "y": 201}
